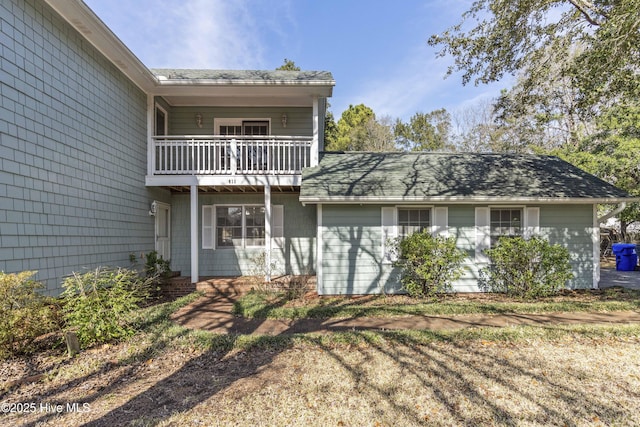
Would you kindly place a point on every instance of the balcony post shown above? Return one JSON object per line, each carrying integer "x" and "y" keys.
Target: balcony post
{"x": 233, "y": 146}
{"x": 267, "y": 230}
{"x": 194, "y": 234}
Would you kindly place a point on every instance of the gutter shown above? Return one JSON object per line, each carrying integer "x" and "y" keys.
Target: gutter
{"x": 613, "y": 213}
{"x": 465, "y": 200}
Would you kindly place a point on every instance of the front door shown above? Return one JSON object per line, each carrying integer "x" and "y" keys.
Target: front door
{"x": 163, "y": 231}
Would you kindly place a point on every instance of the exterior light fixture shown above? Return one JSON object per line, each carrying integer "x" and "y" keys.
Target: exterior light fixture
{"x": 154, "y": 208}
{"x": 199, "y": 120}
{"x": 284, "y": 120}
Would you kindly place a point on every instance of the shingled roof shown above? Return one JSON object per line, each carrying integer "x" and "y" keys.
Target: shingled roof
{"x": 245, "y": 76}
{"x": 453, "y": 178}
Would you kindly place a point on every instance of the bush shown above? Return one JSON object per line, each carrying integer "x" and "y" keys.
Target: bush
{"x": 24, "y": 313}
{"x": 156, "y": 267}
{"x": 429, "y": 264}
{"x": 526, "y": 268}
{"x": 99, "y": 304}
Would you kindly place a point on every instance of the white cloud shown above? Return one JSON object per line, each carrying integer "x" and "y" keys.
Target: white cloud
{"x": 214, "y": 34}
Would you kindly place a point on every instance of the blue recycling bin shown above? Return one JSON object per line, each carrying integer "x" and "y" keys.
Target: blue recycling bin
{"x": 626, "y": 256}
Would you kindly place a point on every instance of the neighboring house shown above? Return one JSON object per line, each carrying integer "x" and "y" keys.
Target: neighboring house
{"x": 102, "y": 158}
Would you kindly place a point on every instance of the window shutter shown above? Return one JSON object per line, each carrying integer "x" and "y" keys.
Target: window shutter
{"x": 277, "y": 225}
{"x": 532, "y": 222}
{"x": 389, "y": 232}
{"x": 441, "y": 221}
{"x": 483, "y": 234}
{"x": 207, "y": 227}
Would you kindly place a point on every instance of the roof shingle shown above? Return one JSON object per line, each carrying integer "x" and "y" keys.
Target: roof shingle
{"x": 453, "y": 177}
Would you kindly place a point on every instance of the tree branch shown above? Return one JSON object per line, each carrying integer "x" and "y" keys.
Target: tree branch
{"x": 584, "y": 8}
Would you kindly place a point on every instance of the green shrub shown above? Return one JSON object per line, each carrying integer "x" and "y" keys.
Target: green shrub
{"x": 99, "y": 304}
{"x": 526, "y": 268}
{"x": 156, "y": 267}
{"x": 429, "y": 264}
{"x": 24, "y": 313}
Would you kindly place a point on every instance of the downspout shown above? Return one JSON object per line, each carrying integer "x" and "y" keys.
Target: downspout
{"x": 613, "y": 213}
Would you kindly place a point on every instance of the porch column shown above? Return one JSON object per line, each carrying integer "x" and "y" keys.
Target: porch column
{"x": 194, "y": 234}
{"x": 315, "y": 143}
{"x": 267, "y": 231}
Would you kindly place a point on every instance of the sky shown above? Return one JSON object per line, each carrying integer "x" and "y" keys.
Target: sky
{"x": 376, "y": 50}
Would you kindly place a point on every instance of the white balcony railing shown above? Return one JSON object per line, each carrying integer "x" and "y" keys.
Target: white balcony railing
{"x": 230, "y": 155}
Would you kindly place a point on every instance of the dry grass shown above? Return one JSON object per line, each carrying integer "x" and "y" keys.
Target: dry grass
{"x": 167, "y": 375}
{"x": 510, "y": 376}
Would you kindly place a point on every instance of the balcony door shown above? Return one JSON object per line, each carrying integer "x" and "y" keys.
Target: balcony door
{"x": 242, "y": 127}
{"x": 251, "y": 154}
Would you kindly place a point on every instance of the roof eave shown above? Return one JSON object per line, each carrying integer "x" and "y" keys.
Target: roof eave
{"x": 465, "y": 200}
{"x": 96, "y": 32}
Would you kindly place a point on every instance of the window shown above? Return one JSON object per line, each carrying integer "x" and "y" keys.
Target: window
{"x": 229, "y": 228}
{"x": 242, "y": 127}
{"x": 505, "y": 222}
{"x": 402, "y": 221}
{"x": 254, "y": 224}
{"x": 240, "y": 226}
{"x": 413, "y": 220}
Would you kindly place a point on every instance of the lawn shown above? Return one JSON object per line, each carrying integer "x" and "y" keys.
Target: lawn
{"x": 168, "y": 375}
{"x": 264, "y": 305}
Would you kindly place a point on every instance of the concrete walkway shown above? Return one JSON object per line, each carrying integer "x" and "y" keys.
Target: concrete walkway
{"x": 611, "y": 277}
{"x": 214, "y": 313}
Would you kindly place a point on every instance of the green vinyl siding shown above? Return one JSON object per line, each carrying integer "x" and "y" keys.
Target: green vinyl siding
{"x": 352, "y": 239}
{"x": 73, "y": 151}
{"x": 352, "y": 252}
{"x": 297, "y": 256}
{"x": 182, "y": 120}
{"x": 572, "y": 227}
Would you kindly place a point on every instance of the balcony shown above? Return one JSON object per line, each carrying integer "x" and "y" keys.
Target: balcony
{"x": 228, "y": 159}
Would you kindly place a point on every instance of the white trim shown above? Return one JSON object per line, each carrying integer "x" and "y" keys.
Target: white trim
{"x": 208, "y": 231}
{"x": 389, "y": 231}
{"x": 267, "y": 231}
{"x": 464, "y": 200}
{"x": 315, "y": 142}
{"x": 157, "y": 106}
{"x": 319, "y": 249}
{"x": 243, "y": 225}
{"x": 162, "y": 205}
{"x": 440, "y": 223}
{"x": 194, "y": 234}
{"x": 277, "y": 231}
{"x": 482, "y": 220}
{"x": 595, "y": 237}
{"x": 151, "y": 118}
{"x": 531, "y": 222}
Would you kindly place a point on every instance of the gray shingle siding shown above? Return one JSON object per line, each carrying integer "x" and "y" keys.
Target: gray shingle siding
{"x": 73, "y": 151}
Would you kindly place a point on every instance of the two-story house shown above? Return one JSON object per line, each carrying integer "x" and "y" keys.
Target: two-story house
{"x": 101, "y": 158}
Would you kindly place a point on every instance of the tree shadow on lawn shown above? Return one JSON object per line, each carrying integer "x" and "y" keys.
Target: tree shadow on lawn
{"x": 424, "y": 360}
